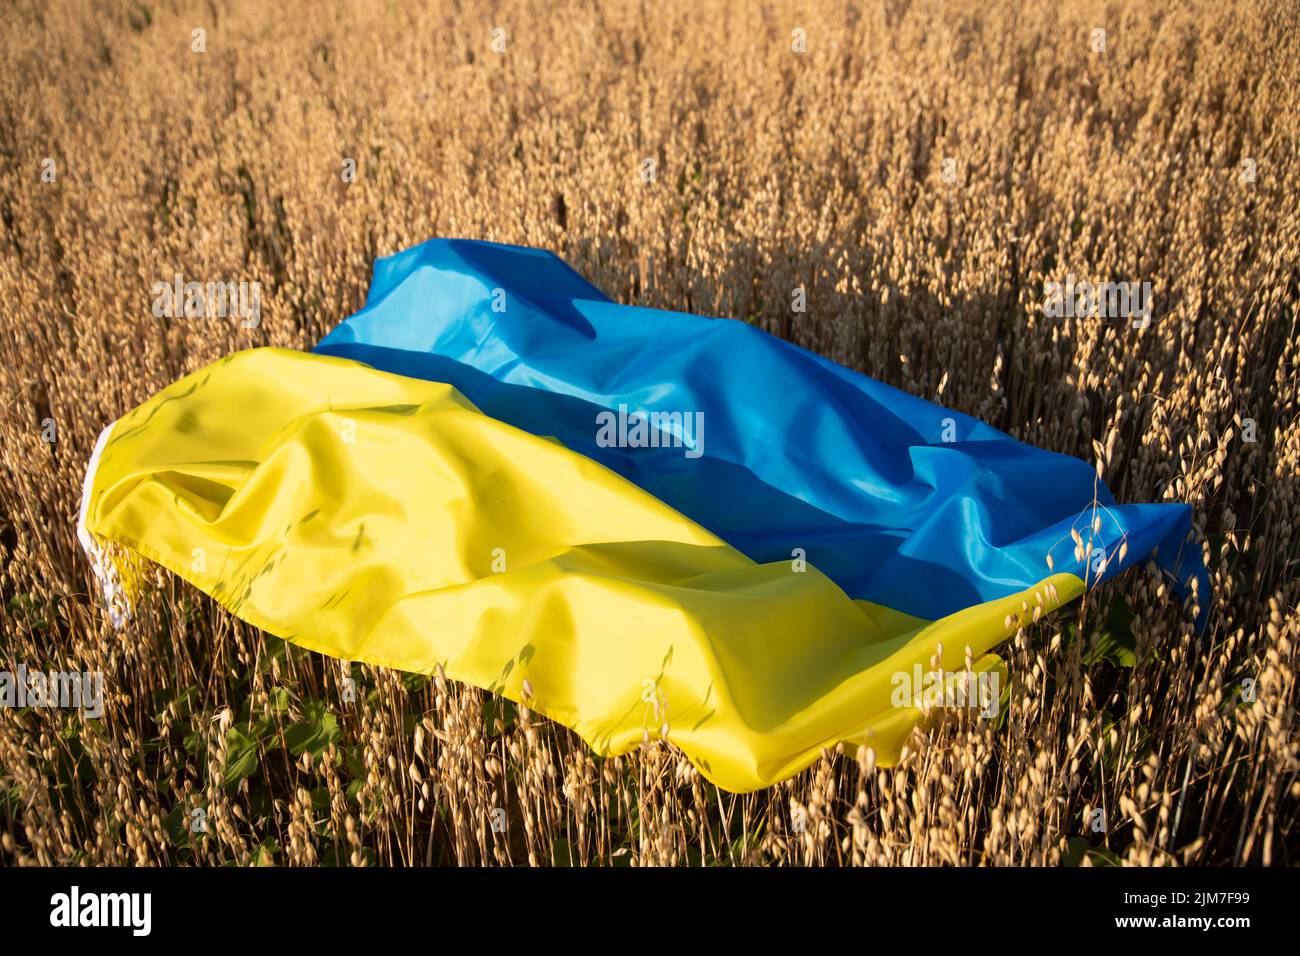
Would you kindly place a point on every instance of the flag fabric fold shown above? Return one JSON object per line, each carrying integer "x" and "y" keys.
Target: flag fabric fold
{"x": 384, "y": 519}
{"x": 899, "y": 501}
{"x": 643, "y": 524}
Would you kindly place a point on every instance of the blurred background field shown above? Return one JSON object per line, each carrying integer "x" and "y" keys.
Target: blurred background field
{"x": 920, "y": 169}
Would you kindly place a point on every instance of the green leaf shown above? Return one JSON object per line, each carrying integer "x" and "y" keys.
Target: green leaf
{"x": 278, "y": 700}
{"x": 414, "y": 683}
{"x": 1074, "y": 851}
{"x": 1115, "y": 642}
{"x": 498, "y": 714}
{"x": 178, "y": 824}
{"x": 241, "y": 756}
{"x": 1078, "y": 848}
{"x": 29, "y": 609}
{"x": 266, "y": 853}
{"x": 1100, "y": 856}
{"x": 316, "y": 731}
{"x": 185, "y": 701}
{"x": 561, "y": 853}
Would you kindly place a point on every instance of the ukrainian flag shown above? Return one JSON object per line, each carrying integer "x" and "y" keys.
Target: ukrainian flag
{"x": 643, "y": 524}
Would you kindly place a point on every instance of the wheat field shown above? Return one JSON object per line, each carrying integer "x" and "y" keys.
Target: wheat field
{"x": 921, "y": 170}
